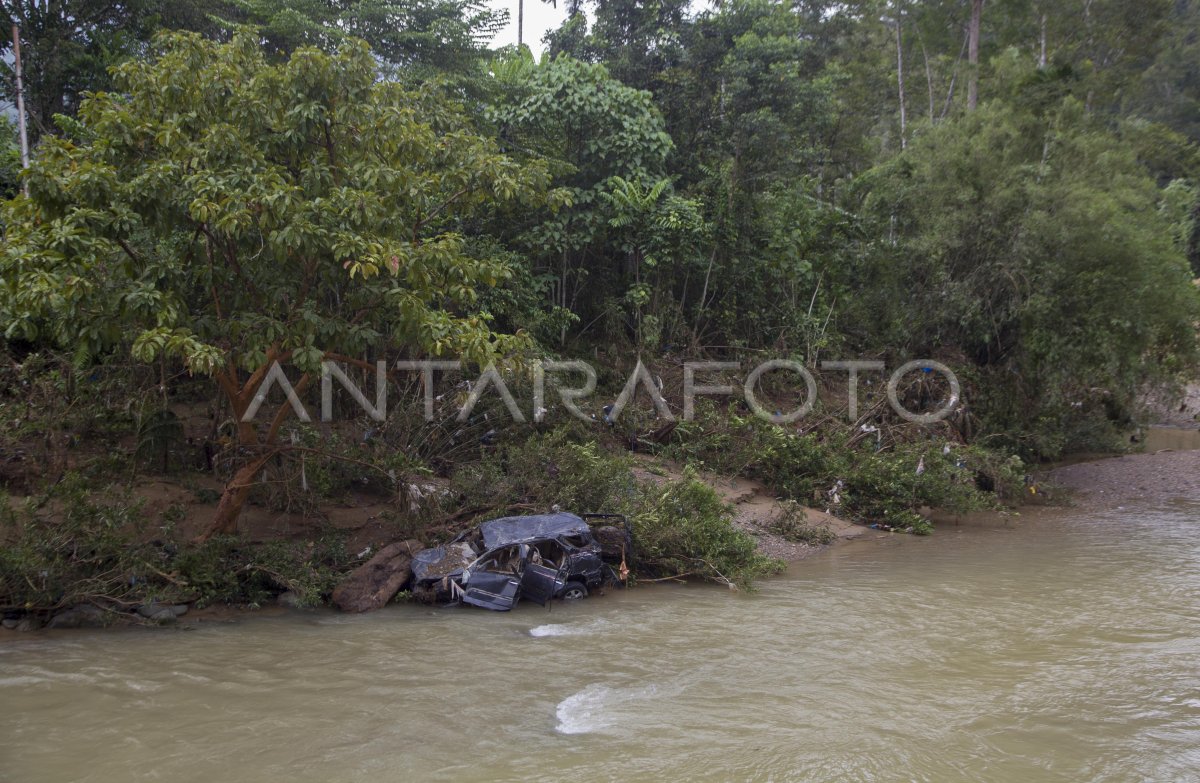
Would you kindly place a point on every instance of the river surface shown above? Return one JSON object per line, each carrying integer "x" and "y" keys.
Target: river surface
{"x": 1063, "y": 646}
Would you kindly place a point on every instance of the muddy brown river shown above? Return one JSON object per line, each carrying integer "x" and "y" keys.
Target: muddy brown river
{"x": 1061, "y": 647}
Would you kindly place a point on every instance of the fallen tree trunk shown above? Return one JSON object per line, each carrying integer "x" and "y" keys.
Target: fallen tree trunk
{"x": 375, "y": 582}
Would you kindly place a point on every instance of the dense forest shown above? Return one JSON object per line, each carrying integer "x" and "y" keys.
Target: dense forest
{"x": 1010, "y": 188}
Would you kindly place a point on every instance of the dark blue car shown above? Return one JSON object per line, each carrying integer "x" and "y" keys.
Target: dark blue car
{"x": 539, "y": 557}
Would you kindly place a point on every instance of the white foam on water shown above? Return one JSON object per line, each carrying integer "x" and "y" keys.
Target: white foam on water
{"x": 598, "y": 707}
{"x": 571, "y": 629}
{"x": 19, "y": 681}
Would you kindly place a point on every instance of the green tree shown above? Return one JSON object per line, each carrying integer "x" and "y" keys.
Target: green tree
{"x": 67, "y": 46}
{"x": 418, "y": 39}
{"x": 10, "y": 160}
{"x": 596, "y": 133}
{"x": 1028, "y": 240}
{"x": 229, "y": 213}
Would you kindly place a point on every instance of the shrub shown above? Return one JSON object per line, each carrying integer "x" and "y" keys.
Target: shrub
{"x": 792, "y": 523}
{"x": 871, "y": 484}
{"x": 228, "y": 570}
{"x": 684, "y": 528}
{"x": 72, "y": 546}
{"x": 548, "y": 470}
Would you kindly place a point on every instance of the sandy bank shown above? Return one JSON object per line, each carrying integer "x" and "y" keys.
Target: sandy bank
{"x": 1163, "y": 475}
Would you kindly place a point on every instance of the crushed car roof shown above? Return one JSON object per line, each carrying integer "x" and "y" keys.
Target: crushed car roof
{"x": 535, "y": 527}
{"x": 439, "y": 561}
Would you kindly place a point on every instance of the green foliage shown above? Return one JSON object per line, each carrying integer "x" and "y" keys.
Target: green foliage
{"x": 419, "y": 39}
{"x": 606, "y": 144}
{"x": 862, "y": 482}
{"x": 72, "y": 546}
{"x": 10, "y": 160}
{"x": 724, "y": 441}
{"x": 159, "y": 433}
{"x": 683, "y": 527}
{"x": 792, "y": 523}
{"x": 548, "y": 470}
{"x": 228, "y": 208}
{"x": 759, "y": 175}
{"x": 76, "y": 544}
{"x": 999, "y": 254}
{"x": 226, "y": 570}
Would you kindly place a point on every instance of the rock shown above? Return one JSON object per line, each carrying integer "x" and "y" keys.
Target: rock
{"x": 151, "y": 610}
{"x": 163, "y": 616}
{"x": 9, "y": 622}
{"x": 290, "y": 600}
{"x": 83, "y": 616}
{"x": 373, "y": 584}
{"x": 28, "y": 624}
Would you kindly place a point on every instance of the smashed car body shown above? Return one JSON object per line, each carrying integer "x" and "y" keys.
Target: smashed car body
{"x": 537, "y": 557}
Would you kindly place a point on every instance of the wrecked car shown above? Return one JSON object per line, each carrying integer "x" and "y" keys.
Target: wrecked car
{"x": 537, "y": 557}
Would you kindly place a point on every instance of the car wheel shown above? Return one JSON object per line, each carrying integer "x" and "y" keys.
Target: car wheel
{"x": 574, "y": 591}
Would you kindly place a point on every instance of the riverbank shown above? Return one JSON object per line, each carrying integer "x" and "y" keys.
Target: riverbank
{"x": 1130, "y": 478}
{"x": 1052, "y": 649}
{"x": 300, "y": 566}
{"x": 782, "y": 530}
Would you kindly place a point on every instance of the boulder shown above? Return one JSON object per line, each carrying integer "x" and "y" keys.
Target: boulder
{"x": 290, "y": 600}
{"x": 83, "y": 616}
{"x": 161, "y": 613}
{"x": 27, "y": 623}
{"x": 373, "y": 584}
{"x": 163, "y": 616}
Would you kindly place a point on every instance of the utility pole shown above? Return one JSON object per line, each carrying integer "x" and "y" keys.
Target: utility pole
{"x": 16, "y": 37}
{"x": 520, "y": 22}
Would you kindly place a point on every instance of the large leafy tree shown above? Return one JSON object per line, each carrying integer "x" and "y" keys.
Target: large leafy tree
{"x": 1027, "y": 239}
{"x": 229, "y": 213}
{"x": 599, "y": 135}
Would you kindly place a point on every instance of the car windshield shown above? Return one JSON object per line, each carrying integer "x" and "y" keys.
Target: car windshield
{"x": 505, "y": 560}
{"x": 577, "y": 541}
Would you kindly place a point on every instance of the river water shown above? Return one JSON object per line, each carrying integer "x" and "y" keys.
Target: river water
{"x": 1063, "y": 646}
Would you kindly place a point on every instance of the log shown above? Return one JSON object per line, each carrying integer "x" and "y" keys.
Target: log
{"x": 376, "y": 581}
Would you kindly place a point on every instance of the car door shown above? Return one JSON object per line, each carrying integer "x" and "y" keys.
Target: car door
{"x": 498, "y": 592}
{"x": 541, "y": 583}
{"x": 494, "y": 580}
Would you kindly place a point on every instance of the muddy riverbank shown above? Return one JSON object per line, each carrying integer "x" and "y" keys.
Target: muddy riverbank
{"x": 1052, "y": 646}
{"x": 1159, "y": 476}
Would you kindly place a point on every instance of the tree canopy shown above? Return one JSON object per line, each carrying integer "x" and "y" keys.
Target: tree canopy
{"x": 226, "y": 212}
{"x": 1011, "y": 187}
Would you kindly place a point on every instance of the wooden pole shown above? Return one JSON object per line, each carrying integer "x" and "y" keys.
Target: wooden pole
{"x": 520, "y": 22}
{"x": 16, "y": 38}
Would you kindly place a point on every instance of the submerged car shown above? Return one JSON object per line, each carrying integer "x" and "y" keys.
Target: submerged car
{"x": 538, "y": 557}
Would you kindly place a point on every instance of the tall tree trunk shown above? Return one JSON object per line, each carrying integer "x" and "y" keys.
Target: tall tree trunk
{"x": 928, "y": 74}
{"x": 237, "y": 491}
{"x": 900, "y": 78}
{"x": 233, "y": 499}
{"x": 1042, "y": 43}
{"x": 973, "y": 55}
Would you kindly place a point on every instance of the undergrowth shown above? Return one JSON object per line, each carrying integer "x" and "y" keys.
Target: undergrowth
{"x": 852, "y": 474}
{"x": 75, "y": 544}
